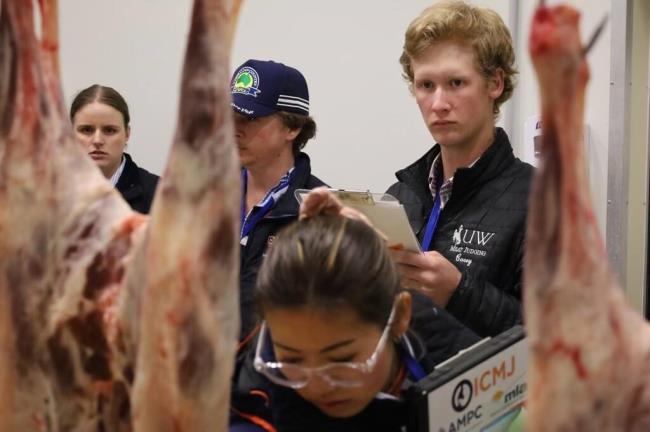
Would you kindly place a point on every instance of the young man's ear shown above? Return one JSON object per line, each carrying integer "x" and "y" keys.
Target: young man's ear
{"x": 293, "y": 133}
{"x": 496, "y": 84}
{"x": 402, "y": 314}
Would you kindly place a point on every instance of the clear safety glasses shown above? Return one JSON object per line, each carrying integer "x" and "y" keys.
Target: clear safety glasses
{"x": 345, "y": 374}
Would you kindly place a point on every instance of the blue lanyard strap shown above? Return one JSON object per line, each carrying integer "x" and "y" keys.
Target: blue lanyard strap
{"x": 413, "y": 368}
{"x": 248, "y": 221}
{"x": 244, "y": 187}
{"x": 432, "y": 224}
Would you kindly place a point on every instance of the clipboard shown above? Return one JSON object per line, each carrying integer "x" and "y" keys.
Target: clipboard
{"x": 385, "y": 212}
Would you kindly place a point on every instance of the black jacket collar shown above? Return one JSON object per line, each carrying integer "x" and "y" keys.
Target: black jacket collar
{"x": 490, "y": 164}
{"x": 129, "y": 183}
{"x": 287, "y": 205}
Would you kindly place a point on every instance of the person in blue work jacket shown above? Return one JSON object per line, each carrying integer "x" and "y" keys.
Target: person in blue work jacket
{"x": 341, "y": 341}
{"x": 270, "y": 101}
{"x": 467, "y": 197}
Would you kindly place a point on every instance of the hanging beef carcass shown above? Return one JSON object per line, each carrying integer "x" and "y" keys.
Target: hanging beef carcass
{"x": 109, "y": 320}
{"x": 590, "y": 352}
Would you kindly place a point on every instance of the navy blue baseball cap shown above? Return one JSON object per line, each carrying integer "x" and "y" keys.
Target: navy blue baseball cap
{"x": 260, "y": 88}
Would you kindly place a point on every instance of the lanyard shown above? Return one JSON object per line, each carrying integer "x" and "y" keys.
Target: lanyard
{"x": 244, "y": 187}
{"x": 248, "y": 221}
{"x": 413, "y": 367}
{"x": 433, "y": 221}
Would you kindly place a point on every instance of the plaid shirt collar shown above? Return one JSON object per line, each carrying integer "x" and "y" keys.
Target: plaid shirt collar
{"x": 437, "y": 175}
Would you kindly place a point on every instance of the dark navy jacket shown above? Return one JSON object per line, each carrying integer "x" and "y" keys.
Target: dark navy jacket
{"x": 263, "y": 233}
{"x": 481, "y": 230}
{"x": 137, "y": 186}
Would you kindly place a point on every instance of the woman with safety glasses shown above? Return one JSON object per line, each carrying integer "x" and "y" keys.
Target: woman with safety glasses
{"x": 339, "y": 341}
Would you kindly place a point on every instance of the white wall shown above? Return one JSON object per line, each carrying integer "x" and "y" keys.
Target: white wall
{"x": 369, "y": 125}
{"x": 597, "y": 98}
{"x": 137, "y": 47}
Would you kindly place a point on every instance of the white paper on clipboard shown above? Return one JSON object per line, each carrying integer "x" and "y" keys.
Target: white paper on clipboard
{"x": 384, "y": 211}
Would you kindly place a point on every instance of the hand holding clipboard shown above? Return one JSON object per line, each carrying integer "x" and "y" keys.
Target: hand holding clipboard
{"x": 383, "y": 211}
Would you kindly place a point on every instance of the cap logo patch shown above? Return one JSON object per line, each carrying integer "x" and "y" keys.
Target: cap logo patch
{"x": 247, "y": 82}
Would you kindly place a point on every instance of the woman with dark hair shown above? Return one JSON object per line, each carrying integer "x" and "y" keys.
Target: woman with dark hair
{"x": 100, "y": 119}
{"x": 340, "y": 340}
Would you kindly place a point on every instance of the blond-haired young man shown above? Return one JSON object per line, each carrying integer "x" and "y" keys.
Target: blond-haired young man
{"x": 466, "y": 198}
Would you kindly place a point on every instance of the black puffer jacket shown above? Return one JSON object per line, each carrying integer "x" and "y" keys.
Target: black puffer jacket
{"x": 137, "y": 186}
{"x": 263, "y": 233}
{"x": 481, "y": 230}
{"x": 435, "y": 336}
